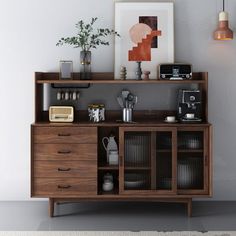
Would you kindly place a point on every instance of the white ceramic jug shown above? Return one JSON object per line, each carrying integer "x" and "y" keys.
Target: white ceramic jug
{"x": 111, "y": 145}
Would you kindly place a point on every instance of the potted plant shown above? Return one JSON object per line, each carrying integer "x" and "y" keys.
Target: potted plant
{"x": 87, "y": 38}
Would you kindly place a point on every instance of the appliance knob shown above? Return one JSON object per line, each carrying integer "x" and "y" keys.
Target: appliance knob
{"x": 192, "y": 98}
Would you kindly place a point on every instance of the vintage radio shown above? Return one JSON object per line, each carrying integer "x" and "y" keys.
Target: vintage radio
{"x": 175, "y": 71}
{"x": 61, "y": 114}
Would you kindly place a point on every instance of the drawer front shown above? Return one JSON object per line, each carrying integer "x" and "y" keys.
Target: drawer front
{"x": 86, "y": 135}
{"x": 59, "y": 169}
{"x": 63, "y": 152}
{"x": 58, "y": 187}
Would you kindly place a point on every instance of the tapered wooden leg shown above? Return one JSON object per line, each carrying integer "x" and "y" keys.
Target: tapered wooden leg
{"x": 51, "y": 207}
{"x": 189, "y": 205}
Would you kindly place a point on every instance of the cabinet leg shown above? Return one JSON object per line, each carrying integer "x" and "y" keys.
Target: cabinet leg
{"x": 51, "y": 207}
{"x": 189, "y": 206}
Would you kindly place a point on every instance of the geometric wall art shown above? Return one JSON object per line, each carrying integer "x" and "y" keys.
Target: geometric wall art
{"x": 147, "y": 36}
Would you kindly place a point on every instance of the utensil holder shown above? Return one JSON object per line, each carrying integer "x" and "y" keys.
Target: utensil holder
{"x": 127, "y": 114}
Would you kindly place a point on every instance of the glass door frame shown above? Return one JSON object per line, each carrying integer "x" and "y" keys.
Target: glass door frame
{"x": 153, "y": 131}
{"x": 206, "y": 161}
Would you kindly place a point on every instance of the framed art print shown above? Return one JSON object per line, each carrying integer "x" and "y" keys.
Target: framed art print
{"x": 147, "y": 37}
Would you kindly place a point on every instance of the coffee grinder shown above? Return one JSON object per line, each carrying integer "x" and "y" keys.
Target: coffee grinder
{"x": 189, "y": 106}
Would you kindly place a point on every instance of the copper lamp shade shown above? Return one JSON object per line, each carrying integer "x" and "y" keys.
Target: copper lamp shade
{"x": 223, "y": 32}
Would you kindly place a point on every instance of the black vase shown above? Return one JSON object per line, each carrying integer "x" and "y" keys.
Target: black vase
{"x": 85, "y": 65}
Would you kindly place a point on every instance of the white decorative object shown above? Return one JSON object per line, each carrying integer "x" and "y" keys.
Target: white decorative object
{"x": 113, "y": 157}
{"x": 111, "y": 145}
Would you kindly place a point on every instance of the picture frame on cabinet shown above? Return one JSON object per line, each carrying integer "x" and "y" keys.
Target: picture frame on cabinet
{"x": 66, "y": 70}
{"x": 147, "y": 36}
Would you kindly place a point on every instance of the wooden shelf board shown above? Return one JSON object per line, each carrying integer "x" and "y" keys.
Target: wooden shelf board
{"x": 109, "y": 193}
{"x": 190, "y": 150}
{"x": 164, "y": 150}
{"x": 107, "y": 167}
{"x": 119, "y": 124}
{"x": 117, "y": 81}
{"x": 137, "y": 168}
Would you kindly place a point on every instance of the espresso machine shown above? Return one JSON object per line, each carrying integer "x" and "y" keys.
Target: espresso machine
{"x": 189, "y": 108}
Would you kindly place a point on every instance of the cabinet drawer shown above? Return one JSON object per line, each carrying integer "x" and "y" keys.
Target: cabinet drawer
{"x": 65, "y": 135}
{"x": 65, "y": 152}
{"x": 56, "y": 169}
{"x": 58, "y": 187}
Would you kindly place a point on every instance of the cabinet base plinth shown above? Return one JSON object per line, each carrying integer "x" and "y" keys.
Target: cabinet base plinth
{"x": 59, "y": 201}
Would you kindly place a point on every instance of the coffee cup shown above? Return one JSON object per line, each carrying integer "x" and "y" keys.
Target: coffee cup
{"x": 170, "y": 119}
{"x": 190, "y": 115}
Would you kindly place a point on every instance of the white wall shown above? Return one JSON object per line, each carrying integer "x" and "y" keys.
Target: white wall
{"x": 29, "y": 30}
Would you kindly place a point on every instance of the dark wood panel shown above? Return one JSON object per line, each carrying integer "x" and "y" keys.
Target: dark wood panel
{"x": 65, "y": 152}
{"x": 59, "y": 169}
{"x": 65, "y": 135}
{"x": 56, "y": 187}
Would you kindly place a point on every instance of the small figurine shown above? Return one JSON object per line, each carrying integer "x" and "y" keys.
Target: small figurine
{"x": 146, "y": 75}
{"x": 123, "y": 72}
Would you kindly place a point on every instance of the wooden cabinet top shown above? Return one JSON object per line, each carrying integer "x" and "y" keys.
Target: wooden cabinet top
{"x": 108, "y": 78}
{"x": 121, "y": 124}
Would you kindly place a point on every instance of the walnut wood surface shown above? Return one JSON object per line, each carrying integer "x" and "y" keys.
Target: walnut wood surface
{"x": 62, "y": 152}
{"x": 65, "y": 135}
{"x": 56, "y": 187}
{"x": 66, "y": 156}
{"x": 65, "y": 169}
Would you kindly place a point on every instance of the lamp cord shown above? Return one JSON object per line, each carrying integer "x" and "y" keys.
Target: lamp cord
{"x": 223, "y": 5}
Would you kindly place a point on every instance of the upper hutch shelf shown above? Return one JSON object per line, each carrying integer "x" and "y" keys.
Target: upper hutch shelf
{"x": 108, "y": 78}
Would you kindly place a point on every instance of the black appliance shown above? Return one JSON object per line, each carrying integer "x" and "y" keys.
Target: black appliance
{"x": 175, "y": 71}
{"x": 189, "y": 106}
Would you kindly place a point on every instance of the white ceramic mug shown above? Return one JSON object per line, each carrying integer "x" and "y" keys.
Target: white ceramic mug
{"x": 170, "y": 118}
{"x": 190, "y": 115}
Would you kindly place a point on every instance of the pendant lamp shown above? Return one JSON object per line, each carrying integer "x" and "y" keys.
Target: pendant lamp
{"x": 223, "y": 32}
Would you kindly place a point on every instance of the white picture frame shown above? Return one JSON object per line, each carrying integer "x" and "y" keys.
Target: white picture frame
{"x": 128, "y": 14}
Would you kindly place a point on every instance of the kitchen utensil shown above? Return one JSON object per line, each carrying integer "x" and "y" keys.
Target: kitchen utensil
{"x": 130, "y": 97}
{"x": 125, "y": 94}
{"x": 120, "y": 101}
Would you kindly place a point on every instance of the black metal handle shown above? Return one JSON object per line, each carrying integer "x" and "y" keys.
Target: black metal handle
{"x": 64, "y": 169}
{"x": 63, "y": 186}
{"x": 64, "y": 135}
{"x": 64, "y": 152}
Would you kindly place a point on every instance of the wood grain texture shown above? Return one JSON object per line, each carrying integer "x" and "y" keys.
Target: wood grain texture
{"x": 56, "y": 187}
{"x": 65, "y": 135}
{"x": 65, "y": 169}
{"x": 60, "y": 152}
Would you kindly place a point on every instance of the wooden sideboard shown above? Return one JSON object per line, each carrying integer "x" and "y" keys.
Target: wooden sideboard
{"x": 68, "y": 161}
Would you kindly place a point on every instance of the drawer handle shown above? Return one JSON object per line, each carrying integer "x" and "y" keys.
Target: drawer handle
{"x": 63, "y": 186}
{"x": 64, "y": 135}
{"x": 64, "y": 152}
{"x": 63, "y": 169}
